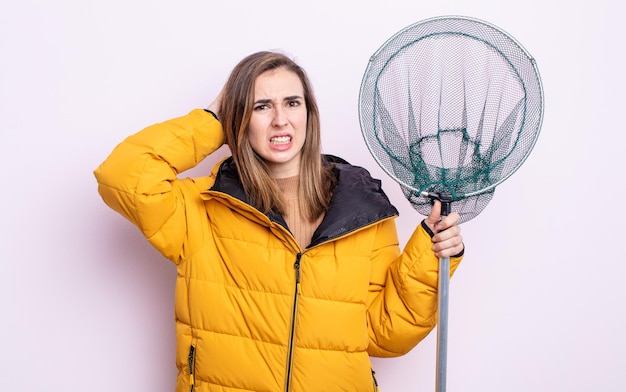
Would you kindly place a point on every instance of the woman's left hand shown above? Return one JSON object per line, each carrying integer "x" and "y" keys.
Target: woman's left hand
{"x": 447, "y": 240}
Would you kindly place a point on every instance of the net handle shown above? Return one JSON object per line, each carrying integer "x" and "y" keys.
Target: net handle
{"x": 443, "y": 294}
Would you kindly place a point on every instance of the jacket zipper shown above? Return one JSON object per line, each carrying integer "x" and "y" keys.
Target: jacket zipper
{"x": 191, "y": 359}
{"x": 292, "y": 331}
{"x": 375, "y": 382}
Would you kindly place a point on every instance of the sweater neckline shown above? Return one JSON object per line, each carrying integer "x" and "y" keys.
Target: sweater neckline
{"x": 288, "y": 186}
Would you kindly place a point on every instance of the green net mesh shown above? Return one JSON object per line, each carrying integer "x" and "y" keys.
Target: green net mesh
{"x": 451, "y": 104}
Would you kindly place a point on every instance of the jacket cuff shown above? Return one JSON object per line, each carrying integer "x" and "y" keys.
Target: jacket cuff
{"x": 428, "y": 230}
{"x": 212, "y": 113}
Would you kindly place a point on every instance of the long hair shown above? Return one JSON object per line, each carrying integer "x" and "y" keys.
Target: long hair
{"x": 316, "y": 180}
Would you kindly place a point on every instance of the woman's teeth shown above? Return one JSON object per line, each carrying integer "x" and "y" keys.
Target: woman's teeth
{"x": 281, "y": 139}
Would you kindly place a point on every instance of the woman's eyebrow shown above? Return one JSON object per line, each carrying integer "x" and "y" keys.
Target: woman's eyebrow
{"x": 289, "y": 98}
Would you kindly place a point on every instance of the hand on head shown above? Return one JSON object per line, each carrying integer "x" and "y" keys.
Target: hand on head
{"x": 216, "y": 105}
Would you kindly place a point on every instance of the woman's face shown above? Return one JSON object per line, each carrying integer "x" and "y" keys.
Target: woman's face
{"x": 277, "y": 127}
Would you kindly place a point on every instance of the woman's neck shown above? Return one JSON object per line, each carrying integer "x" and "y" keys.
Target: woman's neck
{"x": 301, "y": 228}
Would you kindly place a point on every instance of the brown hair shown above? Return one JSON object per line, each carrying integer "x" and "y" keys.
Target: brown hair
{"x": 316, "y": 181}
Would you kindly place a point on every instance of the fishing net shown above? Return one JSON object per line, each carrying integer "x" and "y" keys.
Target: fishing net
{"x": 451, "y": 105}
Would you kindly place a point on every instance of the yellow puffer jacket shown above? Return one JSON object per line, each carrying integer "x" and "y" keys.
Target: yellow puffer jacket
{"x": 254, "y": 311}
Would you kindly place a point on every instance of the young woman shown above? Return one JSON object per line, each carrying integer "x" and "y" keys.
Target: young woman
{"x": 290, "y": 274}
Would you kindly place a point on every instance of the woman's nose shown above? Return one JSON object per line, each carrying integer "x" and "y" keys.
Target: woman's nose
{"x": 280, "y": 117}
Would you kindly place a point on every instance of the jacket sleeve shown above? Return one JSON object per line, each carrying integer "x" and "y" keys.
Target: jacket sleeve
{"x": 139, "y": 178}
{"x": 402, "y": 304}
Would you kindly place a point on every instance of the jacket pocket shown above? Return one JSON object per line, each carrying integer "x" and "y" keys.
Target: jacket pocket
{"x": 191, "y": 362}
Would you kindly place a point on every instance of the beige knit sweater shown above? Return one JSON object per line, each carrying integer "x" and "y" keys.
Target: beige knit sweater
{"x": 301, "y": 228}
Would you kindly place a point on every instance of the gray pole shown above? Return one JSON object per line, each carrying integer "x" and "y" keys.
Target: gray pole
{"x": 442, "y": 329}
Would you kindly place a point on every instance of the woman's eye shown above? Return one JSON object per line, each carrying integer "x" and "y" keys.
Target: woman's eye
{"x": 260, "y": 107}
{"x": 293, "y": 103}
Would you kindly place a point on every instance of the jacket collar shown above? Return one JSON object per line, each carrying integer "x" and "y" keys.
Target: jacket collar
{"x": 358, "y": 199}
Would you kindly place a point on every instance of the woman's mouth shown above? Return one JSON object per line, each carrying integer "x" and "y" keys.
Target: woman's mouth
{"x": 280, "y": 140}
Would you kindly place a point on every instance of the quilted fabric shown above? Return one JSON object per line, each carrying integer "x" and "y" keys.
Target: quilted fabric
{"x": 254, "y": 311}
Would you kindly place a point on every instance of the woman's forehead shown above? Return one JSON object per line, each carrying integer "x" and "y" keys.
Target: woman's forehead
{"x": 278, "y": 84}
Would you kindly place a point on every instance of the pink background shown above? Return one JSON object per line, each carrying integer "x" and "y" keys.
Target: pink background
{"x": 87, "y": 304}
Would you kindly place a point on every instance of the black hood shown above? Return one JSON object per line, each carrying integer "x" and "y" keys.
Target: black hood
{"x": 358, "y": 199}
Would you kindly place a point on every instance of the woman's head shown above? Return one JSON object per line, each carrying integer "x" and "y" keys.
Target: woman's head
{"x": 240, "y": 109}
{"x": 262, "y": 149}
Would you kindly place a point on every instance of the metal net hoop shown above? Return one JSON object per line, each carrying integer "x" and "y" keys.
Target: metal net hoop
{"x": 451, "y": 104}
